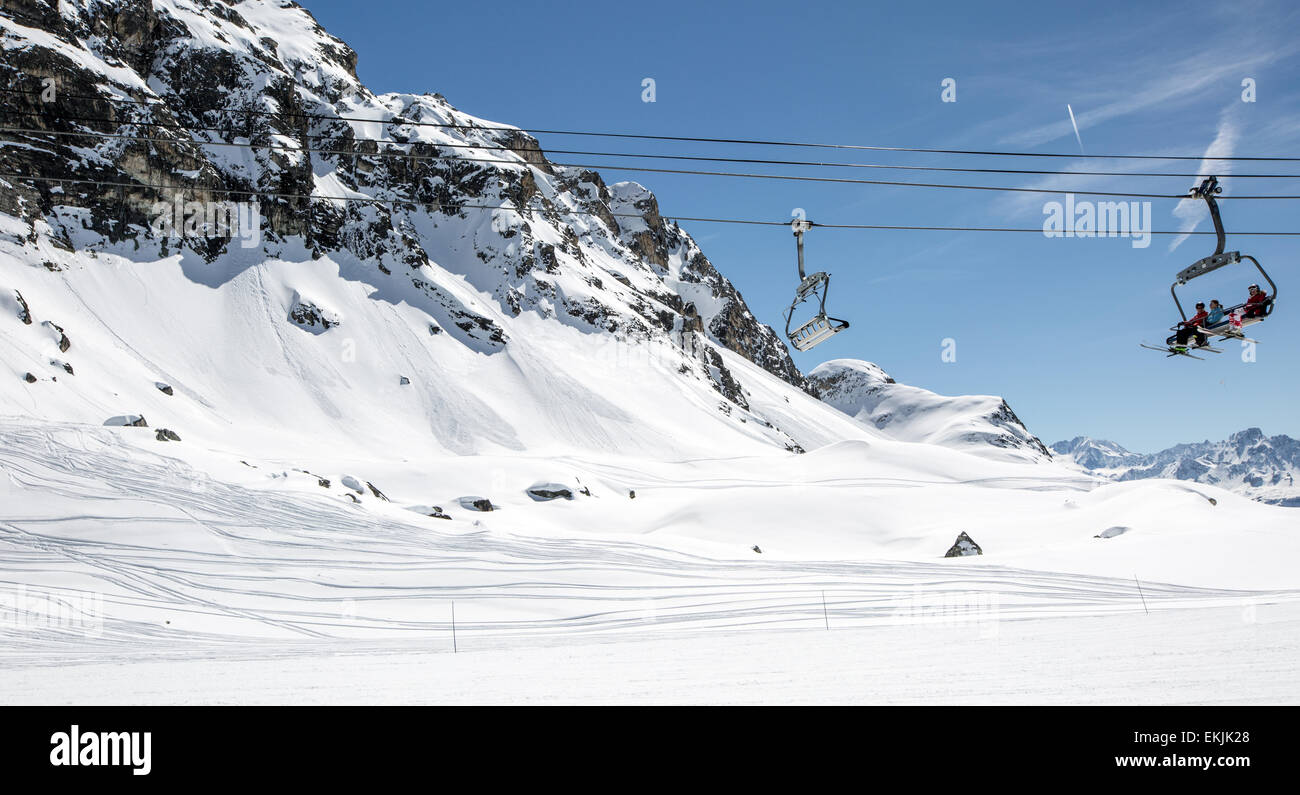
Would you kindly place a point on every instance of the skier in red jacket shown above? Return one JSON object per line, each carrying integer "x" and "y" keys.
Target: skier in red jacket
{"x": 1255, "y": 303}
{"x": 1188, "y": 327}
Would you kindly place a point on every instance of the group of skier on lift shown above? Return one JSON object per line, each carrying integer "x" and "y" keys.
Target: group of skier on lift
{"x": 1209, "y": 320}
{"x": 1216, "y": 320}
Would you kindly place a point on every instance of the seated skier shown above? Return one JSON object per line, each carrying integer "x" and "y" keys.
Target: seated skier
{"x": 1188, "y": 327}
{"x": 1215, "y": 316}
{"x": 1256, "y": 302}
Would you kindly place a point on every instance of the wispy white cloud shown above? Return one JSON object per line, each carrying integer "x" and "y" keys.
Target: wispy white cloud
{"x": 1190, "y": 212}
{"x": 1184, "y": 81}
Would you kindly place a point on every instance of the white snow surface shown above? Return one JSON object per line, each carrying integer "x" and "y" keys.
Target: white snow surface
{"x": 222, "y": 569}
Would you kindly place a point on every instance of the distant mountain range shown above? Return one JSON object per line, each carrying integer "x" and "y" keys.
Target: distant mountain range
{"x": 1261, "y": 467}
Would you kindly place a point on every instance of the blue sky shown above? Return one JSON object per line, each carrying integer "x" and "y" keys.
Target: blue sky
{"x": 1051, "y": 324}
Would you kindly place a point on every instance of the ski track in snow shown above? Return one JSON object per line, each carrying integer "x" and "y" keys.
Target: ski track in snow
{"x": 188, "y": 567}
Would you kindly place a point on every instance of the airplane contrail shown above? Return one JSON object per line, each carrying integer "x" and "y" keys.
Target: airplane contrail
{"x": 1076, "y": 127}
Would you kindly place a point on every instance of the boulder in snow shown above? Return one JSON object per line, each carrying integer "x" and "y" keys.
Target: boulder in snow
{"x": 433, "y": 511}
{"x": 164, "y": 388}
{"x": 29, "y": 378}
{"x": 963, "y": 546}
{"x": 165, "y": 435}
{"x": 59, "y": 336}
{"x": 13, "y": 301}
{"x": 543, "y": 491}
{"x": 127, "y": 420}
{"x": 308, "y": 315}
{"x": 476, "y": 504}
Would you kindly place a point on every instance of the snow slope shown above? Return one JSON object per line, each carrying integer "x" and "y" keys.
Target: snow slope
{"x": 979, "y": 424}
{"x": 350, "y": 393}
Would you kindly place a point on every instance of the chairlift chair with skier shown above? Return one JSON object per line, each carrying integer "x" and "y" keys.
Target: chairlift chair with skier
{"x": 1234, "y": 318}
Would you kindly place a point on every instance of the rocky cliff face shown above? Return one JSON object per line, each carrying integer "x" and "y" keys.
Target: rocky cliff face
{"x": 1262, "y": 467}
{"x": 206, "y": 101}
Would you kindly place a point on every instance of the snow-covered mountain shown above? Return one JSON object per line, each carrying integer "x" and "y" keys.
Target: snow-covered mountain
{"x": 433, "y": 364}
{"x": 979, "y": 424}
{"x": 1264, "y": 468}
{"x": 500, "y": 286}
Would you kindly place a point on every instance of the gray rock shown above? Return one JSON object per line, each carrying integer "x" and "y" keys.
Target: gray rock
{"x": 164, "y": 388}
{"x": 64, "y": 342}
{"x": 24, "y": 312}
{"x": 311, "y": 317}
{"x": 165, "y": 435}
{"x": 963, "y": 546}
{"x": 543, "y": 492}
{"x": 476, "y": 503}
{"x": 127, "y": 421}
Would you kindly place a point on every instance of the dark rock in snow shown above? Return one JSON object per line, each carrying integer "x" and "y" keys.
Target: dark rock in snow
{"x": 353, "y": 497}
{"x": 127, "y": 420}
{"x": 164, "y": 388}
{"x": 477, "y": 503}
{"x": 29, "y": 378}
{"x": 542, "y": 492}
{"x": 963, "y": 546}
{"x": 64, "y": 342}
{"x": 631, "y": 495}
{"x": 376, "y": 491}
{"x": 403, "y": 381}
{"x": 756, "y": 549}
{"x": 24, "y": 312}
{"x": 312, "y": 317}
{"x": 67, "y": 366}
{"x": 164, "y": 435}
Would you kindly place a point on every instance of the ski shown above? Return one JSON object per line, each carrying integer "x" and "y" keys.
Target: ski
{"x": 1170, "y": 351}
